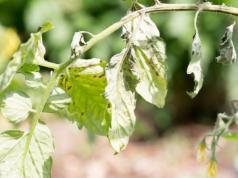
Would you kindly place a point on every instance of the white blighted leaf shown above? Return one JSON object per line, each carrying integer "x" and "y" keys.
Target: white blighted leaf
{"x": 140, "y": 30}
{"x": 77, "y": 43}
{"x": 195, "y": 66}
{"x": 34, "y": 80}
{"x": 30, "y": 52}
{"x": 10, "y": 71}
{"x": 150, "y": 68}
{"x": 121, "y": 95}
{"x": 18, "y": 162}
{"x": 226, "y": 47}
{"x": 58, "y": 100}
{"x": 148, "y": 53}
{"x": 16, "y": 107}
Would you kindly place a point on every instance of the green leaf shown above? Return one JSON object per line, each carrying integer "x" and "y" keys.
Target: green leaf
{"x": 226, "y": 47}
{"x": 122, "y": 100}
{"x": 31, "y": 51}
{"x": 38, "y": 159}
{"x": 232, "y": 136}
{"x": 194, "y": 66}
{"x": 149, "y": 57}
{"x": 16, "y": 107}
{"x": 57, "y": 101}
{"x": 46, "y": 27}
{"x": 85, "y": 83}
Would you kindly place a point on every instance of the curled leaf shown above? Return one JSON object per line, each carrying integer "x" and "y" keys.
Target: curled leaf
{"x": 77, "y": 43}
{"x": 226, "y": 47}
{"x": 16, "y": 108}
{"x": 195, "y": 66}
{"x": 121, "y": 96}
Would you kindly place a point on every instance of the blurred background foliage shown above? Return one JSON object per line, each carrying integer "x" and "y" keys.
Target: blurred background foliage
{"x": 18, "y": 18}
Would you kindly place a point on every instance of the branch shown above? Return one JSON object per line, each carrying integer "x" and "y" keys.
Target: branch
{"x": 156, "y": 9}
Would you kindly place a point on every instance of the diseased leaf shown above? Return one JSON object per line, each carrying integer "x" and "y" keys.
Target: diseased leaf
{"x": 141, "y": 29}
{"x": 194, "y": 66}
{"x": 58, "y": 100}
{"x": 121, "y": 96}
{"x": 85, "y": 83}
{"x": 16, "y": 108}
{"x": 11, "y": 69}
{"x": 32, "y": 50}
{"x": 148, "y": 51}
{"x": 38, "y": 159}
{"x": 77, "y": 43}
{"x": 34, "y": 80}
{"x": 226, "y": 47}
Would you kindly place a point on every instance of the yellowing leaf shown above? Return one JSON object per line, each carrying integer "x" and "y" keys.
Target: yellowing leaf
{"x": 85, "y": 83}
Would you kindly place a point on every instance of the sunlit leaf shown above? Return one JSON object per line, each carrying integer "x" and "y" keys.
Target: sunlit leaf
{"x": 121, "y": 95}
{"x": 38, "y": 159}
{"x": 31, "y": 51}
{"x": 226, "y": 47}
{"x": 195, "y": 66}
{"x": 85, "y": 83}
{"x": 148, "y": 51}
{"x": 16, "y": 108}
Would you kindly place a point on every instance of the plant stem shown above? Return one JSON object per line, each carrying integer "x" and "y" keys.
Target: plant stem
{"x": 39, "y": 110}
{"x": 47, "y": 64}
{"x": 159, "y": 8}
